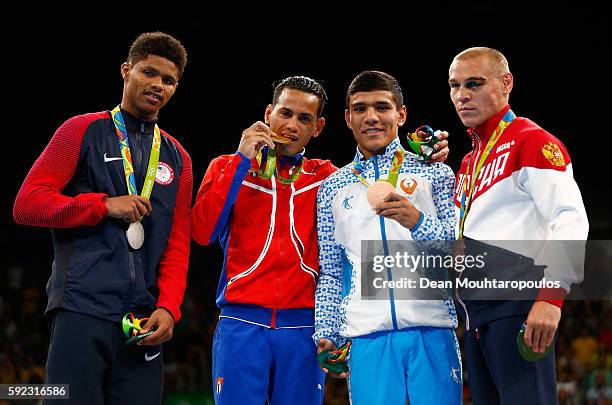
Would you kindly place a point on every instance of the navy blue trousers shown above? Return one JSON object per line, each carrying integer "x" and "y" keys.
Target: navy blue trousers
{"x": 497, "y": 374}
{"x": 89, "y": 354}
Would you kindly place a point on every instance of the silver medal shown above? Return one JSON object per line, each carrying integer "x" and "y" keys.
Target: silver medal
{"x": 135, "y": 235}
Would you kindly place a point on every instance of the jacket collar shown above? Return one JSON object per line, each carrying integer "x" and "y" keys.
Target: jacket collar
{"x": 292, "y": 160}
{"x": 134, "y": 124}
{"x": 484, "y": 130}
{"x": 387, "y": 154}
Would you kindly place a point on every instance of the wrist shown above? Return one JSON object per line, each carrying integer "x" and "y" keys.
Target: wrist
{"x": 419, "y": 221}
{"x": 554, "y": 296}
{"x": 242, "y": 155}
{"x": 104, "y": 206}
{"x": 167, "y": 311}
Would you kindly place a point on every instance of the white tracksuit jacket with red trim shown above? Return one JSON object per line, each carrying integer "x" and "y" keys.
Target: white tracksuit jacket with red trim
{"x": 525, "y": 191}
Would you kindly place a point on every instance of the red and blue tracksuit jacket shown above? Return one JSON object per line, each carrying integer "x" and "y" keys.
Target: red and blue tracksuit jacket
{"x": 268, "y": 233}
{"x": 95, "y": 272}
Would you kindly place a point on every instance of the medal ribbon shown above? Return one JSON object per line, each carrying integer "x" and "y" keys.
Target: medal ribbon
{"x": 468, "y": 193}
{"x": 396, "y": 163}
{"x": 128, "y": 167}
{"x": 266, "y": 158}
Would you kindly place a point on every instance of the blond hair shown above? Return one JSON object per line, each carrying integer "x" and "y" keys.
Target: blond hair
{"x": 496, "y": 57}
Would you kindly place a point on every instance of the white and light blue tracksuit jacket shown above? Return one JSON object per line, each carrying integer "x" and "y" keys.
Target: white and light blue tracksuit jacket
{"x": 345, "y": 218}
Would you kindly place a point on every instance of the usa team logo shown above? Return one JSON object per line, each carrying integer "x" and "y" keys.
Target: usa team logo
{"x": 164, "y": 175}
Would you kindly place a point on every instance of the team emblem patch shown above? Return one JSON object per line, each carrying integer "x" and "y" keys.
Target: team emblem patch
{"x": 164, "y": 175}
{"x": 408, "y": 188}
{"x": 219, "y": 385}
{"x": 552, "y": 152}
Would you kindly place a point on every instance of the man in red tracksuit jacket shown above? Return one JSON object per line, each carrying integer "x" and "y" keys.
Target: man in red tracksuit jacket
{"x": 262, "y": 347}
{"x": 78, "y": 188}
{"x": 515, "y": 185}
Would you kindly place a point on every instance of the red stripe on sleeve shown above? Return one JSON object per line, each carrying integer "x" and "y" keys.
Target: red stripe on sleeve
{"x": 40, "y": 201}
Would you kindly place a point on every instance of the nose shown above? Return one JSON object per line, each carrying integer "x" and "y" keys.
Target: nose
{"x": 292, "y": 123}
{"x": 462, "y": 94}
{"x": 371, "y": 116}
{"x": 156, "y": 83}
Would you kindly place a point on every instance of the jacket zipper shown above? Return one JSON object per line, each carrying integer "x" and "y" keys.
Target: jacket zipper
{"x": 386, "y": 251}
{"x": 127, "y": 305}
{"x": 136, "y": 149}
{"x": 475, "y": 141}
{"x": 281, "y": 233}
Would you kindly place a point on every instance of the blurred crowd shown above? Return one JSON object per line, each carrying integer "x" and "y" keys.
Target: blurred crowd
{"x": 584, "y": 345}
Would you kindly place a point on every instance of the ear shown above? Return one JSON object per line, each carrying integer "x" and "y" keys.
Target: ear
{"x": 267, "y": 114}
{"x": 125, "y": 70}
{"x": 347, "y": 118}
{"x": 507, "y": 83}
{"x": 401, "y": 118}
{"x": 320, "y": 125}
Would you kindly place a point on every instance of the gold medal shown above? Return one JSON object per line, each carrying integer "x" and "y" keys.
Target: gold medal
{"x": 135, "y": 235}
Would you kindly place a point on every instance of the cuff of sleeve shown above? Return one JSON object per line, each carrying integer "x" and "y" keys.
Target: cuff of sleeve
{"x": 244, "y": 165}
{"x": 419, "y": 222}
{"x": 333, "y": 337}
{"x": 554, "y": 296}
{"x": 175, "y": 312}
{"x": 244, "y": 158}
{"x": 337, "y": 341}
{"x": 102, "y": 209}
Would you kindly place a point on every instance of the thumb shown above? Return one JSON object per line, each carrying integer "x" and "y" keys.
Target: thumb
{"x": 528, "y": 335}
{"x": 394, "y": 196}
{"x": 149, "y": 324}
{"x": 324, "y": 344}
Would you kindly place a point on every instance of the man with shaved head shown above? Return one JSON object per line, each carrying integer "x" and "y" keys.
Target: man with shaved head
{"x": 516, "y": 184}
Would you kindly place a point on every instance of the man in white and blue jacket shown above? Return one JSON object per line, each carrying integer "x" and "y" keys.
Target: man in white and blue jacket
{"x": 400, "y": 348}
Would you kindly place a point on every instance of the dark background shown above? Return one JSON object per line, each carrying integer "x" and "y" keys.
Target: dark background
{"x": 60, "y": 67}
{"x": 57, "y": 66}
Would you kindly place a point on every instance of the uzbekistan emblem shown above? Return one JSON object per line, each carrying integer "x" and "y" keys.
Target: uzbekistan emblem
{"x": 219, "y": 385}
{"x": 552, "y": 152}
{"x": 408, "y": 189}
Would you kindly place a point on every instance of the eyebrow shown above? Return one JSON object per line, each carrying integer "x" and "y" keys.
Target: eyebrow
{"x": 302, "y": 114}
{"x": 362, "y": 103}
{"x": 472, "y": 78}
{"x": 157, "y": 72}
{"x": 150, "y": 67}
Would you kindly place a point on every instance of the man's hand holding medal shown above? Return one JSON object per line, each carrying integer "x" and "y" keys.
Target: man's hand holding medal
{"x": 256, "y": 137}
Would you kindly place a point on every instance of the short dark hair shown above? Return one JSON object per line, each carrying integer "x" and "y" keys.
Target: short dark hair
{"x": 372, "y": 80}
{"x": 159, "y": 44}
{"x": 301, "y": 83}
